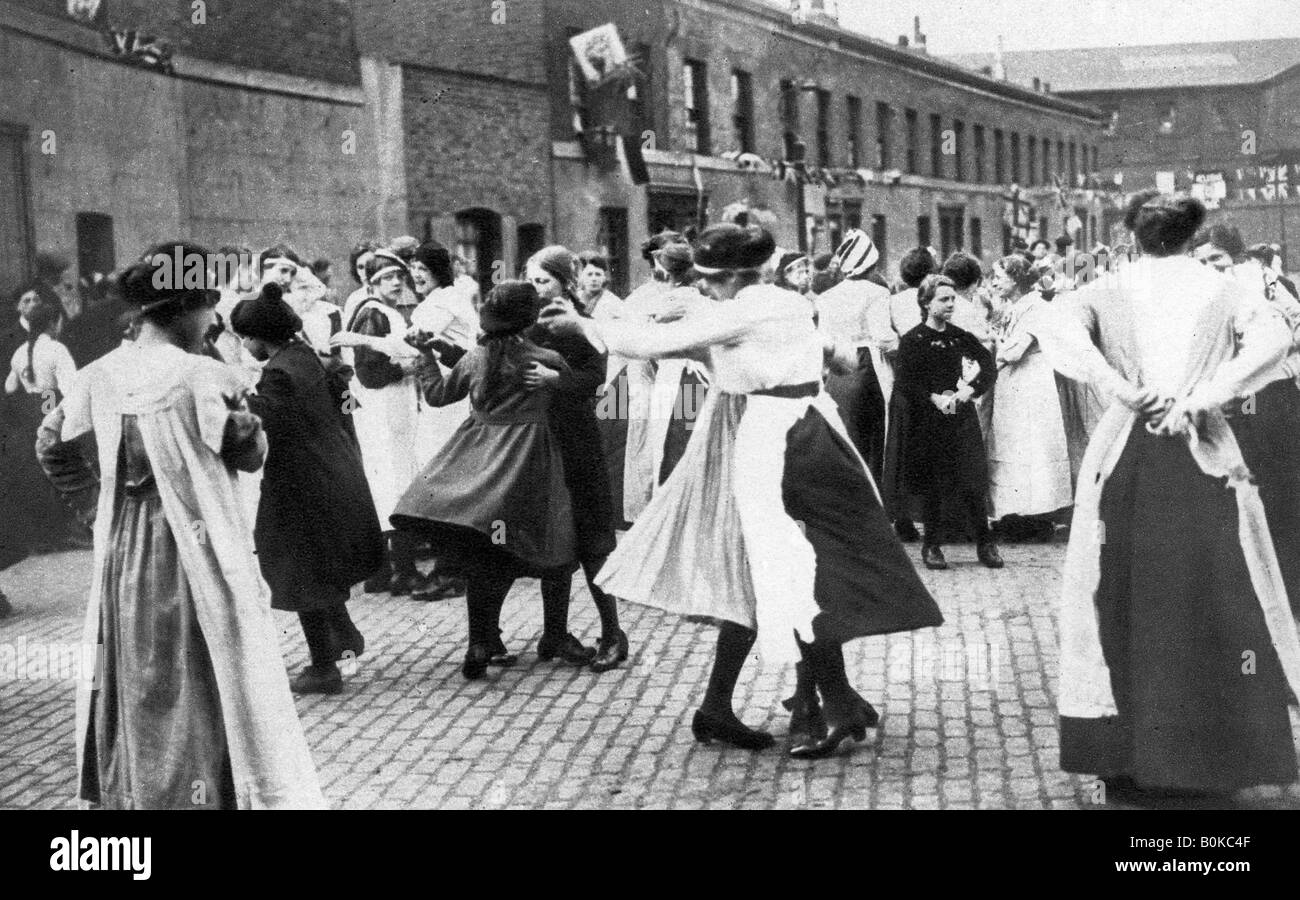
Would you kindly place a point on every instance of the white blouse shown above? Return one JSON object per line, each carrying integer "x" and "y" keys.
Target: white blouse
{"x": 52, "y": 368}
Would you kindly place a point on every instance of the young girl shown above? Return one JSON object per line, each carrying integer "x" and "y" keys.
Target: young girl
{"x": 189, "y": 706}
{"x": 493, "y": 501}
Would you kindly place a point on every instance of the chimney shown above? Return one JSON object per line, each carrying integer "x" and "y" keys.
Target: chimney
{"x": 999, "y": 67}
{"x": 902, "y": 41}
{"x": 1038, "y": 85}
{"x": 1047, "y": 87}
{"x": 986, "y": 70}
{"x": 918, "y": 39}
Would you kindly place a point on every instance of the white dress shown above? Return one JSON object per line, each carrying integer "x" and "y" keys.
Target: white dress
{"x": 386, "y": 420}
{"x": 1029, "y": 459}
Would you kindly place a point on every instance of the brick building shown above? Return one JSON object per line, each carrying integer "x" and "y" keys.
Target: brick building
{"x": 1220, "y": 119}
{"x": 508, "y": 147}
{"x": 125, "y": 121}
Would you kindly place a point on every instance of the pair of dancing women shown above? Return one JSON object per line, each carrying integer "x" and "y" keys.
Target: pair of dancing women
{"x": 770, "y": 524}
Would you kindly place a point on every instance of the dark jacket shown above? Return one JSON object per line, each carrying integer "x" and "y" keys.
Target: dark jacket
{"x": 316, "y": 523}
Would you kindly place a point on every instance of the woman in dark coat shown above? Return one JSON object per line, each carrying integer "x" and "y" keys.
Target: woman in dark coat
{"x": 941, "y": 368}
{"x": 494, "y": 500}
{"x": 317, "y": 533}
{"x": 552, "y": 271}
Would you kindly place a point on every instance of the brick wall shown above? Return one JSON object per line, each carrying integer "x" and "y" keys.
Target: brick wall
{"x": 307, "y": 38}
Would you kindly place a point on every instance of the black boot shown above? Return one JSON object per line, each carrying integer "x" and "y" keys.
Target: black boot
{"x": 379, "y": 581}
{"x": 932, "y": 556}
{"x": 847, "y": 714}
{"x": 805, "y": 709}
{"x": 715, "y": 719}
{"x": 325, "y": 679}
{"x": 987, "y": 551}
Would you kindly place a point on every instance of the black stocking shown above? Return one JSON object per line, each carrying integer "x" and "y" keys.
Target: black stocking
{"x": 734, "y": 643}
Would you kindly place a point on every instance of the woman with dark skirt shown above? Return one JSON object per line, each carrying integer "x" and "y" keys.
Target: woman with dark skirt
{"x": 317, "y": 533}
{"x": 941, "y": 369}
{"x": 553, "y": 271}
{"x": 1177, "y": 641}
{"x": 494, "y": 500}
{"x": 771, "y": 522}
{"x": 189, "y": 707}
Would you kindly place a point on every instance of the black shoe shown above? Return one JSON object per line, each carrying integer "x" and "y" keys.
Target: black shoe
{"x": 610, "y": 652}
{"x": 441, "y": 589}
{"x": 708, "y": 728}
{"x": 906, "y": 531}
{"x": 568, "y": 648}
{"x": 318, "y": 680}
{"x": 804, "y": 707}
{"x": 932, "y": 556}
{"x": 500, "y": 655}
{"x": 851, "y": 722}
{"x": 988, "y": 554}
{"x": 476, "y": 661}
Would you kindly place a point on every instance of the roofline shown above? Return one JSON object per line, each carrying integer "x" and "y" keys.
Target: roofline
{"x": 934, "y": 66}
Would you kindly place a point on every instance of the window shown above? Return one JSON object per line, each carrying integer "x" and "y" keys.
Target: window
{"x": 977, "y": 238}
{"x": 842, "y": 217}
{"x": 695, "y": 86}
{"x": 95, "y": 254}
{"x": 1031, "y": 173}
{"x": 742, "y": 98}
{"x": 951, "y": 227}
{"x": 923, "y": 230}
{"x": 613, "y": 243}
{"x": 1047, "y": 161}
{"x": 1074, "y": 167}
{"x": 959, "y": 151}
{"x": 1168, "y": 117}
{"x": 1015, "y": 157}
{"x": 910, "y": 138}
{"x": 884, "y": 136}
{"x": 478, "y": 239}
{"x": 936, "y": 146}
{"x": 531, "y": 237}
{"x": 638, "y": 93}
{"x": 1060, "y": 161}
{"x": 979, "y": 154}
{"x": 16, "y": 250}
{"x": 880, "y": 237}
{"x": 854, "y": 137}
{"x": 1095, "y": 167}
{"x": 789, "y": 115}
{"x": 823, "y": 128}
{"x": 999, "y": 158}
{"x": 577, "y": 89}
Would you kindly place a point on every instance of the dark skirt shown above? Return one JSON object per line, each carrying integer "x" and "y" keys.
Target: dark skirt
{"x": 1177, "y": 612}
{"x": 943, "y": 454}
{"x": 611, "y": 419}
{"x": 1268, "y": 428}
{"x": 862, "y": 407}
{"x": 36, "y": 516}
{"x": 692, "y": 392}
{"x": 496, "y": 495}
{"x": 865, "y": 582}
{"x": 585, "y": 473}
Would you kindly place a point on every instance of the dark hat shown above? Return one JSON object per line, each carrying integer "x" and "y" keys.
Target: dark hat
{"x": 265, "y": 317}
{"x": 510, "y": 307}
{"x": 1064, "y": 241}
{"x": 168, "y": 274}
{"x": 726, "y": 246}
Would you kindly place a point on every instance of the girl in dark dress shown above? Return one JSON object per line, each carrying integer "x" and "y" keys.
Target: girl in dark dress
{"x": 317, "y": 533}
{"x": 552, "y": 271}
{"x": 494, "y": 500}
{"x": 941, "y": 368}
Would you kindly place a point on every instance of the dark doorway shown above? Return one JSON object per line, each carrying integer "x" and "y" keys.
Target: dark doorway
{"x": 673, "y": 210}
{"x": 95, "y": 254}
{"x": 478, "y": 239}
{"x": 952, "y": 229}
{"x": 16, "y": 250}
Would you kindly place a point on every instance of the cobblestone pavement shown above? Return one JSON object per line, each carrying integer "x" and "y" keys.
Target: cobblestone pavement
{"x": 967, "y": 710}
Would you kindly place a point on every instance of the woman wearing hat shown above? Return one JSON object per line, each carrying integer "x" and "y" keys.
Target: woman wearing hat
{"x": 552, "y": 271}
{"x": 316, "y": 532}
{"x": 858, "y": 379}
{"x": 771, "y": 522}
{"x": 386, "y": 410}
{"x": 494, "y": 500}
{"x": 190, "y": 705}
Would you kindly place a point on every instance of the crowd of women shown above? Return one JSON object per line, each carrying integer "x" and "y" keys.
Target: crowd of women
{"x": 766, "y": 446}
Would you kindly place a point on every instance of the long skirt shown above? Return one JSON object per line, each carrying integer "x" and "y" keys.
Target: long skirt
{"x": 1029, "y": 459}
{"x": 156, "y": 738}
{"x": 702, "y": 547}
{"x": 40, "y": 518}
{"x": 1201, "y": 698}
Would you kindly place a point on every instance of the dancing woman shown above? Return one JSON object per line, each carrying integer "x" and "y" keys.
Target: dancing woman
{"x": 494, "y": 501}
{"x": 770, "y": 522}
{"x": 1170, "y": 575}
{"x": 191, "y": 706}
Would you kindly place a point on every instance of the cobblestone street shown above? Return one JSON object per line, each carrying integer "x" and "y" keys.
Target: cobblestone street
{"x": 968, "y": 710}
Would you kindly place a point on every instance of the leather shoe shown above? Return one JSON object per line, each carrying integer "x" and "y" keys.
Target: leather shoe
{"x": 988, "y": 554}
{"x": 568, "y": 648}
{"x": 707, "y": 727}
{"x": 500, "y": 656}
{"x": 318, "y": 680}
{"x": 476, "y": 661}
{"x": 932, "y": 556}
{"x": 610, "y": 652}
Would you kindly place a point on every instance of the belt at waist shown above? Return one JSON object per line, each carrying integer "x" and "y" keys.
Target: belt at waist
{"x": 791, "y": 391}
